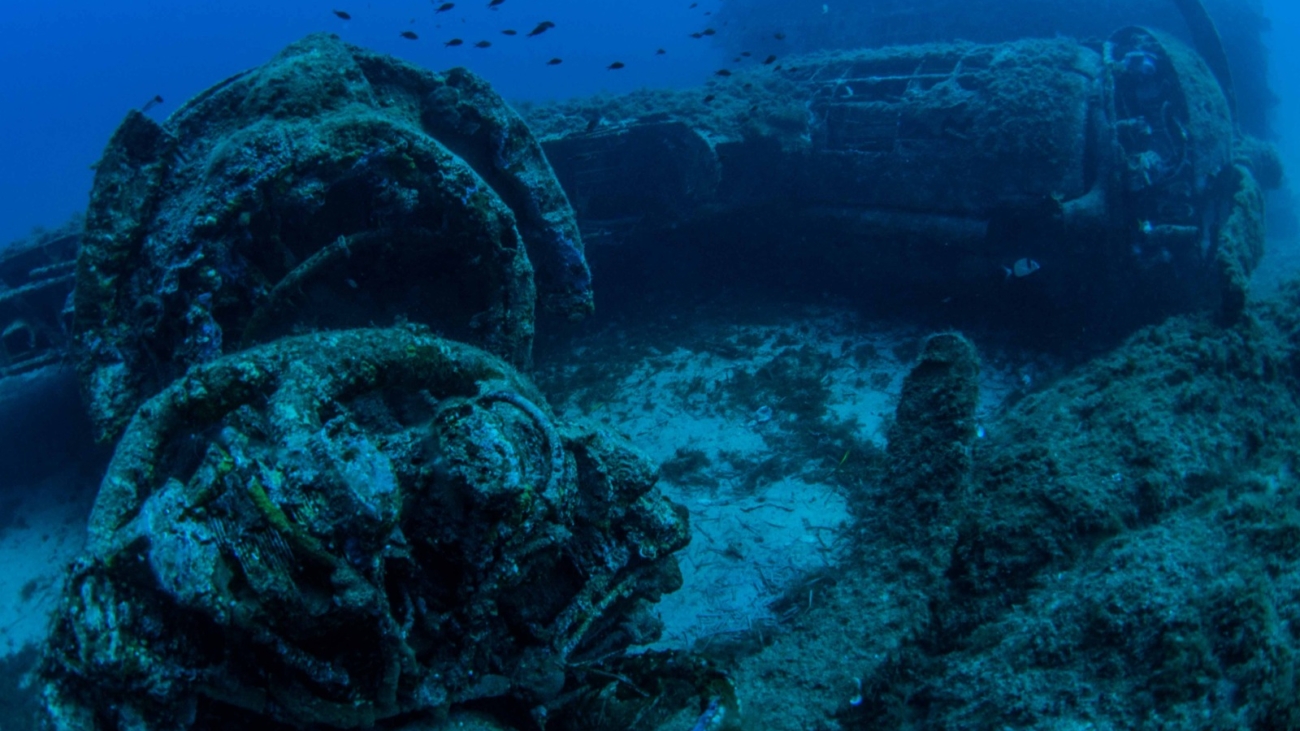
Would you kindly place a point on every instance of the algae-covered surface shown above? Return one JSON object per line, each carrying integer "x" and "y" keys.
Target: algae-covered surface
{"x": 1124, "y": 556}
{"x": 780, "y": 100}
{"x": 1108, "y": 545}
{"x": 329, "y": 188}
{"x": 357, "y": 484}
{"x": 764, "y": 421}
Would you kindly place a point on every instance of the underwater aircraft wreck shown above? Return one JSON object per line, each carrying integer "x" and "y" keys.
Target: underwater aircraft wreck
{"x": 922, "y": 174}
{"x": 312, "y": 523}
{"x": 38, "y": 392}
{"x": 303, "y": 304}
{"x": 36, "y": 279}
{"x": 1236, "y": 26}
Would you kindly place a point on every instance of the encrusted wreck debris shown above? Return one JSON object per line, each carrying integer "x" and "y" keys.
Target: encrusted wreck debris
{"x": 310, "y": 523}
{"x": 36, "y": 277}
{"x": 342, "y": 528}
{"x": 1243, "y": 25}
{"x": 331, "y": 188}
{"x": 920, "y": 174}
{"x": 43, "y": 428}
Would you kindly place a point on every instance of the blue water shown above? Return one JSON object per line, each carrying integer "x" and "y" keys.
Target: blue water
{"x": 1282, "y": 41}
{"x": 73, "y": 68}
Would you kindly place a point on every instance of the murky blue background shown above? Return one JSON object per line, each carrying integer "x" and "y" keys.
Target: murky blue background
{"x": 74, "y": 67}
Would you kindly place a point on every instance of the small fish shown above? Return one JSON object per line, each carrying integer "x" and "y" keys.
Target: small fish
{"x": 454, "y": 42}
{"x": 151, "y": 103}
{"x": 660, "y": 52}
{"x": 722, "y": 72}
{"x": 769, "y": 60}
{"x": 495, "y": 3}
{"x": 444, "y": 8}
{"x": 555, "y": 62}
{"x": 616, "y": 66}
{"x": 709, "y": 32}
{"x": 779, "y": 36}
{"x": 697, "y": 35}
{"x": 694, "y": 6}
{"x": 483, "y": 44}
{"x": 410, "y": 35}
{"x": 709, "y": 98}
{"x": 509, "y": 32}
{"x": 541, "y": 28}
{"x": 343, "y": 14}
{"x": 746, "y": 54}
{"x": 1022, "y": 268}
